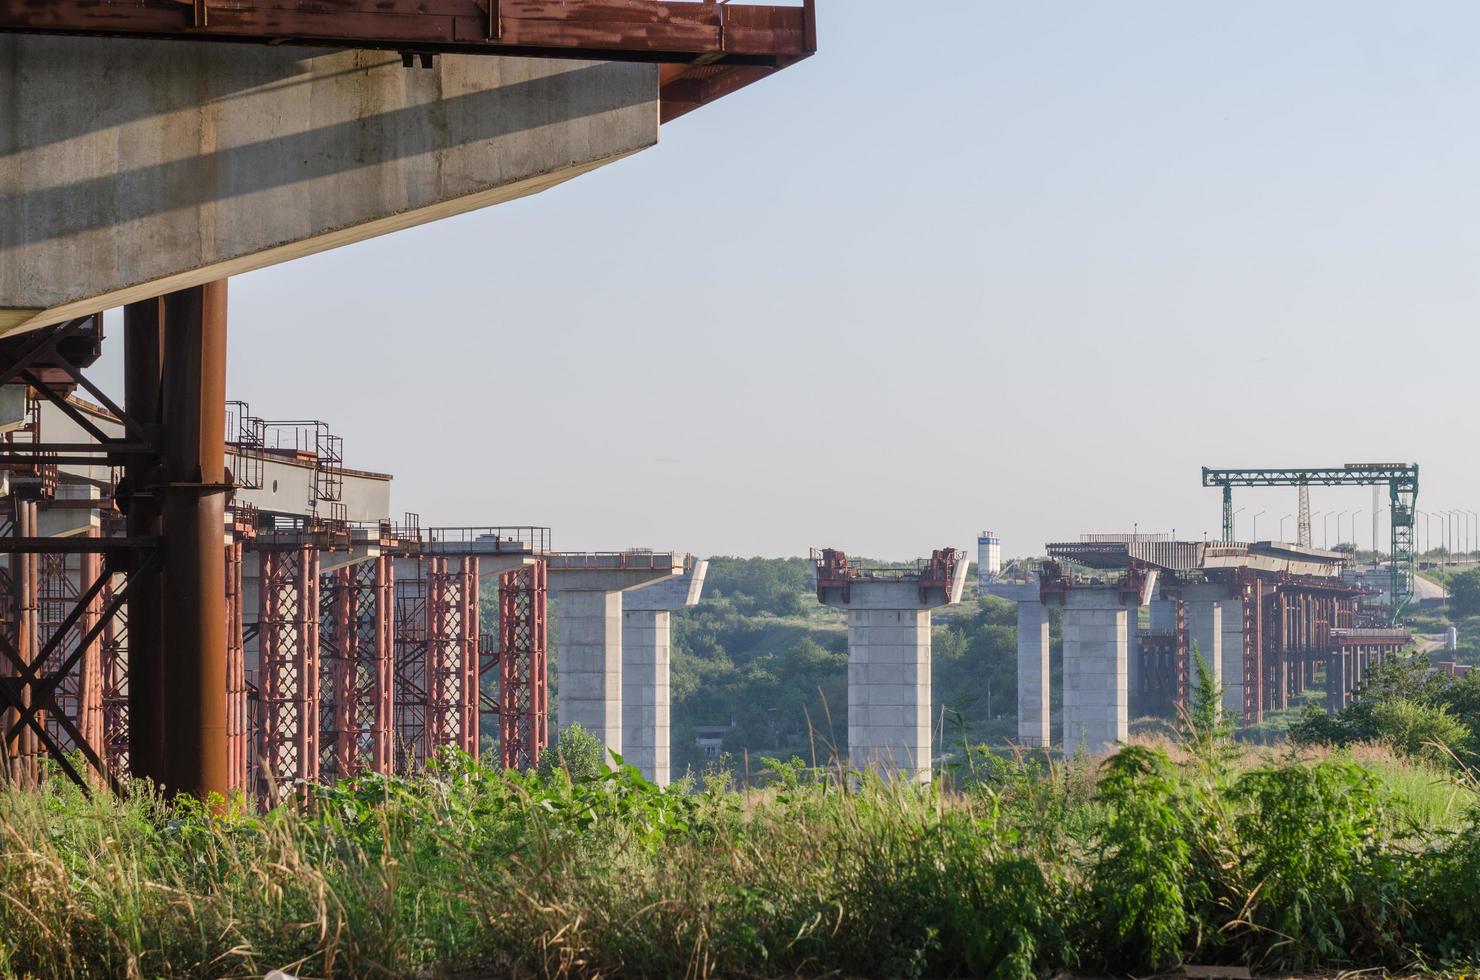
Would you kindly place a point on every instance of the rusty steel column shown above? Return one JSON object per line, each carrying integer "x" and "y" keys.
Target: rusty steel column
{"x": 523, "y": 644}
{"x": 468, "y": 687}
{"x": 236, "y": 679}
{"x": 382, "y": 650}
{"x": 193, "y": 468}
{"x": 143, "y": 369}
{"x": 22, "y": 752}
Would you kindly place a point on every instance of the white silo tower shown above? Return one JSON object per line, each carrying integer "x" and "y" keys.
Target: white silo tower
{"x": 988, "y": 559}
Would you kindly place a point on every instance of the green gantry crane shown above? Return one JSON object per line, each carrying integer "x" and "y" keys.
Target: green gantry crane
{"x": 1402, "y": 483}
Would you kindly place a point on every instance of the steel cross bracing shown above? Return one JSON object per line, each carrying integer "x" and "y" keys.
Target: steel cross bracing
{"x": 288, "y": 670}
{"x": 357, "y": 639}
{"x": 451, "y": 665}
{"x": 1401, "y": 480}
{"x": 523, "y": 698}
{"x": 708, "y": 49}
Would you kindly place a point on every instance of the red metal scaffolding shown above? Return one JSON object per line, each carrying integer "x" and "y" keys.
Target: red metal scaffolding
{"x": 288, "y": 668}
{"x": 358, "y": 637}
{"x": 523, "y": 698}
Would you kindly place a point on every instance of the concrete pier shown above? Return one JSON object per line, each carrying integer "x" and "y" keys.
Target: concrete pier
{"x": 588, "y": 633}
{"x": 1096, "y": 669}
{"x": 1204, "y": 611}
{"x": 1033, "y": 673}
{"x": 1133, "y": 652}
{"x": 646, "y": 650}
{"x": 889, "y": 706}
{"x": 1233, "y": 656}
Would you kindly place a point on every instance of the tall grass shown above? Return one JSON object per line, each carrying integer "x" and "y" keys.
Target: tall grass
{"x": 1020, "y": 868}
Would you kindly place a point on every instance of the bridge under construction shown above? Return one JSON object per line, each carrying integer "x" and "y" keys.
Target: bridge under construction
{"x": 1268, "y": 619}
{"x": 212, "y": 600}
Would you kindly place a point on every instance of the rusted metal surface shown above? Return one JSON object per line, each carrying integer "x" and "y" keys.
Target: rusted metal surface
{"x": 451, "y": 667}
{"x": 523, "y": 696}
{"x": 131, "y": 646}
{"x": 409, "y": 660}
{"x": 288, "y": 670}
{"x": 357, "y": 640}
{"x": 708, "y": 49}
{"x": 193, "y": 488}
{"x": 143, "y": 371}
{"x": 237, "y": 751}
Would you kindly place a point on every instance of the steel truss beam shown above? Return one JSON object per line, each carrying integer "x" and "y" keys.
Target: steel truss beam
{"x": 711, "y": 49}
{"x": 1401, "y": 479}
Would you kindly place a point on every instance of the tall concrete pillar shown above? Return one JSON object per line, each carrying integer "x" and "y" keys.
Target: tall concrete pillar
{"x": 588, "y": 627}
{"x": 646, "y": 650}
{"x": 889, "y": 706}
{"x": 588, "y": 633}
{"x": 1232, "y": 613}
{"x": 1204, "y": 611}
{"x": 1032, "y": 673}
{"x": 1133, "y": 651}
{"x": 1338, "y": 682}
{"x": 1096, "y": 669}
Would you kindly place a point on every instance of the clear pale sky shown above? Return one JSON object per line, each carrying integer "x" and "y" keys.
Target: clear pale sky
{"x": 975, "y": 265}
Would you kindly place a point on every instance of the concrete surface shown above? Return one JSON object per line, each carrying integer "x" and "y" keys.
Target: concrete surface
{"x": 588, "y": 634}
{"x": 1033, "y": 674}
{"x": 889, "y": 707}
{"x": 208, "y": 160}
{"x": 646, "y": 652}
{"x": 1096, "y": 670}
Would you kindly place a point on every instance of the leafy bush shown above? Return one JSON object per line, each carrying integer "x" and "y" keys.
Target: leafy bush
{"x": 577, "y": 753}
{"x": 1140, "y": 880}
{"x": 1310, "y": 839}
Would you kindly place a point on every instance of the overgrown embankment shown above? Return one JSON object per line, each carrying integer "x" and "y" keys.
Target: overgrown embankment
{"x": 1329, "y": 860}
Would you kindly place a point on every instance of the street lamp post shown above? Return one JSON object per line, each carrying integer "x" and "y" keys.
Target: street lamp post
{"x": 1355, "y": 513}
{"x": 1339, "y": 515}
{"x": 1254, "y": 535}
{"x": 1326, "y": 528}
{"x": 1282, "y": 525}
{"x": 1236, "y": 512}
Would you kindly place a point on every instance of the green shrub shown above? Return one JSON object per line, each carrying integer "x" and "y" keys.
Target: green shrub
{"x": 1322, "y": 890}
{"x": 1138, "y": 888}
{"x": 577, "y": 752}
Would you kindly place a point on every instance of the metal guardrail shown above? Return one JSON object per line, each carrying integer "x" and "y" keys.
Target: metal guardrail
{"x": 515, "y": 539}
{"x": 618, "y": 560}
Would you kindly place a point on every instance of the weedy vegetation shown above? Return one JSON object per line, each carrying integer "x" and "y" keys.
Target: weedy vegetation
{"x": 1191, "y": 850}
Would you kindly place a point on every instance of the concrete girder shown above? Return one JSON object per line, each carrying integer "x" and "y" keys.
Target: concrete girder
{"x": 646, "y": 653}
{"x": 210, "y": 160}
{"x": 588, "y": 633}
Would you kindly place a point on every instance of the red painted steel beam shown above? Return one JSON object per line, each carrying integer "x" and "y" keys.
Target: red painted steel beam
{"x": 712, "y": 48}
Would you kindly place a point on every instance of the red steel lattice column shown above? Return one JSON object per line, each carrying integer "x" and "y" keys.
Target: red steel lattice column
{"x": 451, "y": 656}
{"x": 288, "y": 658}
{"x": 236, "y": 677}
{"x": 114, "y": 669}
{"x": 359, "y": 637}
{"x": 523, "y": 695}
{"x": 410, "y": 653}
